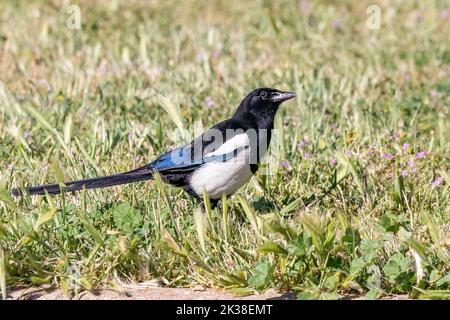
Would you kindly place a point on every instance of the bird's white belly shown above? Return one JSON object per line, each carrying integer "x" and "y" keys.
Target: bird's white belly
{"x": 218, "y": 178}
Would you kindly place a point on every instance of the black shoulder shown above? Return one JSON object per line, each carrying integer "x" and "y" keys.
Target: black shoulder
{"x": 229, "y": 124}
{"x": 217, "y": 135}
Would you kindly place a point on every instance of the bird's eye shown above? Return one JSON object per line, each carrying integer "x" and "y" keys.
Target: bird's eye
{"x": 263, "y": 94}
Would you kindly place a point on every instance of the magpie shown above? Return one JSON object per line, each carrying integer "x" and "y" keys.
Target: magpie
{"x": 218, "y": 162}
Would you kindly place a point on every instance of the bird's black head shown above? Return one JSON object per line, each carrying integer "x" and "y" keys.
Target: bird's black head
{"x": 261, "y": 105}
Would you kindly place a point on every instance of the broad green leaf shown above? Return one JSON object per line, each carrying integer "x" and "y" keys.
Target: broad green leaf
{"x": 357, "y": 265}
{"x": 444, "y": 280}
{"x": 126, "y": 218}
{"x": 272, "y": 247}
{"x": 308, "y": 295}
{"x": 291, "y": 206}
{"x": 262, "y": 274}
{"x": 300, "y": 246}
{"x": 40, "y": 280}
{"x": 396, "y": 265}
{"x": 373, "y": 294}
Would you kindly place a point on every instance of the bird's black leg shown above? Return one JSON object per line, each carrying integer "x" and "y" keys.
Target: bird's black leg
{"x": 213, "y": 203}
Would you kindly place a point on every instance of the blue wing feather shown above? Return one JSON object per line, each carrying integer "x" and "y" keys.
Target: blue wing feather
{"x": 180, "y": 160}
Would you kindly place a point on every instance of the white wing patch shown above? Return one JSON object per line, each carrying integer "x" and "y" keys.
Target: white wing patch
{"x": 218, "y": 178}
{"x": 238, "y": 141}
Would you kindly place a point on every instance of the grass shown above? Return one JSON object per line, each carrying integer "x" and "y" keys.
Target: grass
{"x": 351, "y": 210}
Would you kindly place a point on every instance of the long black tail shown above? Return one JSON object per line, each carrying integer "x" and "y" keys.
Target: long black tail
{"x": 136, "y": 175}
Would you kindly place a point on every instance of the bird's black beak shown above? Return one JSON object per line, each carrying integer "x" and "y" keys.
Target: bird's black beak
{"x": 283, "y": 96}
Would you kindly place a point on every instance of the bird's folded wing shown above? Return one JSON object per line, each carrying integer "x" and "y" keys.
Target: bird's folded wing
{"x": 182, "y": 160}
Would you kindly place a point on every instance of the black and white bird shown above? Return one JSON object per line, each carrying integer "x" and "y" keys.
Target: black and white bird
{"x": 218, "y": 162}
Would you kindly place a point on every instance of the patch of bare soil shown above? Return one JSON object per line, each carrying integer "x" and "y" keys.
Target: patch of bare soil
{"x": 140, "y": 292}
{"x": 150, "y": 292}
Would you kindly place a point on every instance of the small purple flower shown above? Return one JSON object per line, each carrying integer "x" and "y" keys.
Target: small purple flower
{"x": 412, "y": 169}
{"x": 421, "y": 155}
{"x": 433, "y": 93}
{"x": 445, "y": 14}
{"x": 286, "y": 165}
{"x": 437, "y": 182}
{"x": 333, "y": 161}
{"x": 302, "y": 143}
{"x": 388, "y": 156}
{"x": 404, "y": 173}
{"x": 405, "y": 146}
{"x": 419, "y": 18}
{"x": 306, "y": 156}
{"x": 215, "y": 54}
{"x": 335, "y": 24}
{"x": 201, "y": 55}
{"x": 209, "y": 102}
{"x": 304, "y": 6}
{"x": 154, "y": 72}
{"x": 102, "y": 67}
{"x": 333, "y": 126}
{"x": 349, "y": 153}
